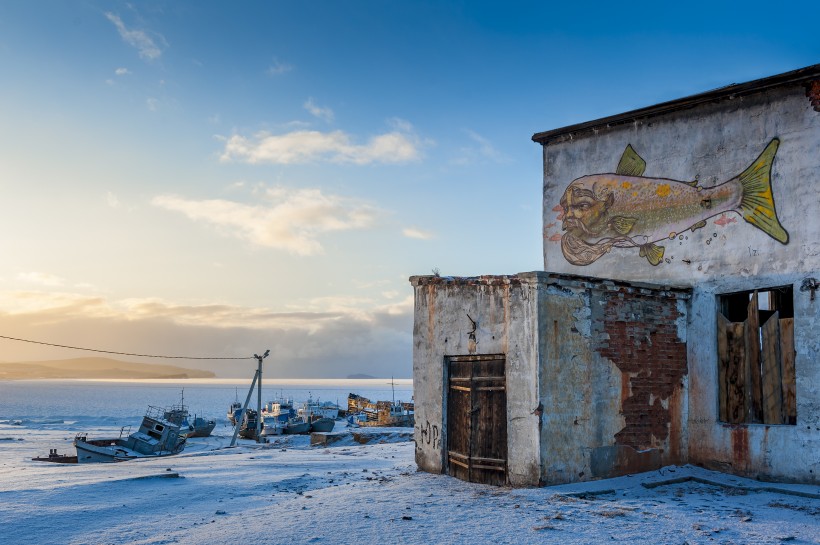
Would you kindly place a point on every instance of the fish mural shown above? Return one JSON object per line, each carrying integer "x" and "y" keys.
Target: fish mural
{"x": 625, "y": 209}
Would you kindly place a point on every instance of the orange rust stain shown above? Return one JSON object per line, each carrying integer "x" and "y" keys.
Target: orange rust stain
{"x": 626, "y": 382}
{"x": 675, "y": 419}
{"x": 555, "y": 238}
{"x": 557, "y": 208}
{"x": 740, "y": 448}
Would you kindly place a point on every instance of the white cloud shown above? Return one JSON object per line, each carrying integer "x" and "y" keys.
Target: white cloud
{"x": 44, "y": 279}
{"x": 325, "y": 114}
{"x": 148, "y": 49}
{"x": 290, "y": 220}
{"x": 303, "y": 146}
{"x": 484, "y": 150}
{"x": 276, "y": 68}
{"x": 152, "y": 104}
{"x": 315, "y": 343}
{"x": 400, "y": 124}
{"x": 122, "y": 71}
{"x": 412, "y": 232}
{"x": 112, "y": 200}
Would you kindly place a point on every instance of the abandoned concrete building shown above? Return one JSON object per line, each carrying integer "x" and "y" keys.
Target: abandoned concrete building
{"x": 675, "y": 320}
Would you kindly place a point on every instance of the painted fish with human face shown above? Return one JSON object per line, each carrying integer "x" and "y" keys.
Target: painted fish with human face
{"x": 625, "y": 209}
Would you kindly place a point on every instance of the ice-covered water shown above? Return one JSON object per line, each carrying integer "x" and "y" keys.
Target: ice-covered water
{"x": 84, "y": 403}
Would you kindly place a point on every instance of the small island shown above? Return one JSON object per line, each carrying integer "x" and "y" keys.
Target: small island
{"x": 360, "y": 376}
{"x": 95, "y": 368}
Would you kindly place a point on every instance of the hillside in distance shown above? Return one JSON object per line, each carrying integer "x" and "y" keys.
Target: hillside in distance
{"x": 95, "y": 368}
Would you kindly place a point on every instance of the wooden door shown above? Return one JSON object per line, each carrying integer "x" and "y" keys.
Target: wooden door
{"x": 477, "y": 419}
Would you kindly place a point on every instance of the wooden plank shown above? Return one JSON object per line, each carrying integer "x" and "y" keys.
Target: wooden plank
{"x": 787, "y": 355}
{"x": 723, "y": 325}
{"x": 491, "y": 468}
{"x": 489, "y": 424}
{"x": 771, "y": 372}
{"x": 489, "y": 460}
{"x": 754, "y": 390}
{"x": 468, "y": 379}
{"x": 459, "y": 463}
{"x": 736, "y": 400}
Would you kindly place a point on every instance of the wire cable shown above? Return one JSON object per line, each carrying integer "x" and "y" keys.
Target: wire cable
{"x": 128, "y": 353}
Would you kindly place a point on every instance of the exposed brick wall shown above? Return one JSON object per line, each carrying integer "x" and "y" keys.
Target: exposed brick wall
{"x": 641, "y": 340}
{"x": 813, "y": 92}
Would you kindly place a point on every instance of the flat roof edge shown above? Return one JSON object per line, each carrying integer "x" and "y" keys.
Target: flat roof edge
{"x": 795, "y": 77}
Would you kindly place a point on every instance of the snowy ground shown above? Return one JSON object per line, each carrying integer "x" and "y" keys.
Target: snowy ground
{"x": 289, "y": 492}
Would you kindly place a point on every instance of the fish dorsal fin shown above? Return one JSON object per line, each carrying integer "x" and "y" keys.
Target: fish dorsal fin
{"x": 699, "y": 225}
{"x": 693, "y": 183}
{"x": 623, "y": 224}
{"x": 631, "y": 163}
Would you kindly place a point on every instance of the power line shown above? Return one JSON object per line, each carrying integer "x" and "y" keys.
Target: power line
{"x": 127, "y": 353}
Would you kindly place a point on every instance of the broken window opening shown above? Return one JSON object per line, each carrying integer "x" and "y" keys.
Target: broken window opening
{"x": 756, "y": 357}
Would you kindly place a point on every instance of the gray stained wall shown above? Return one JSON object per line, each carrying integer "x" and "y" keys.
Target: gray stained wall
{"x": 715, "y": 194}
{"x": 719, "y": 195}
{"x": 595, "y": 371}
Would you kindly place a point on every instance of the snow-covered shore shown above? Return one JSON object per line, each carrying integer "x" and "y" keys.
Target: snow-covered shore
{"x": 289, "y": 492}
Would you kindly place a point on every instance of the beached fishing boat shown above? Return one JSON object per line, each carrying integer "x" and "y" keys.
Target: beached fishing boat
{"x": 201, "y": 427}
{"x": 363, "y": 412}
{"x": 247, "y": 429}
{"x": 296, "y": 426}
{"x": 156, "y": 436}
{"x": 234, "y": 412}
{"x": 320, "y": 416}
{"x": 178, "y": 414}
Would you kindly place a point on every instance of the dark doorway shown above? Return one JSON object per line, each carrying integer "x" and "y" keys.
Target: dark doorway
{"x": 477, "y": 419}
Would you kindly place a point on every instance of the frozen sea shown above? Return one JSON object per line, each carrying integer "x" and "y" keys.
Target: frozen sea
{"x": 119, "y": 403}
{"x": 362, "y": 488}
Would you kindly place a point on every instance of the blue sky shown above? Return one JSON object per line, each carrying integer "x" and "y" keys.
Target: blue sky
{"x": 218, "y": 178}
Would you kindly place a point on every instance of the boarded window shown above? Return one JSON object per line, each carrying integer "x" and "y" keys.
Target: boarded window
{"x": 756, "y": 357}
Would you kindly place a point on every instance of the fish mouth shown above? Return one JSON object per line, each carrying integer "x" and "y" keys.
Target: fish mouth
{"x": 576, "y": 227}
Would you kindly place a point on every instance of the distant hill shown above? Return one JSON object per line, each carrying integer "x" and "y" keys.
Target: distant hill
{"x": 91, "y": 368}
{"x": 360, "y": 376}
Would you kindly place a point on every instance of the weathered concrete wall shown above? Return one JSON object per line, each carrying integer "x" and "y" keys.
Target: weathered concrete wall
{"x": 767, "y": 452}
{"x": 595, "y": 370}
{"x": 613, "y": 379}
{"x": 698, "y": 165}
{"x": 710, "y": 144}
{"x": 504, "y": 310}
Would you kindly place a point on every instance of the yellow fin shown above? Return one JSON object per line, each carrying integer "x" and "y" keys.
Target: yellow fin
{"x": 652, "y": 252}
{"x": 622, "y": 224}
{"x": 693, "y": 183}
{"x": 631, "y": 163}
{"x": 757, "y": 201}
{"x": 699, "y": 225}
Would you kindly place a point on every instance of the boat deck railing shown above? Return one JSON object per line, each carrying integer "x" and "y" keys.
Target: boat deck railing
{"x": 157, "y": 413}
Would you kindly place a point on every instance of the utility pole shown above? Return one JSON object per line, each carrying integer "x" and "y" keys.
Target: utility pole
{"x": 257, "y": 376}
{"x": 259, "y": 395}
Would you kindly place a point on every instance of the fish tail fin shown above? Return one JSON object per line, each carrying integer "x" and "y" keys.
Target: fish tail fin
{"x": 757, "y": 200}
